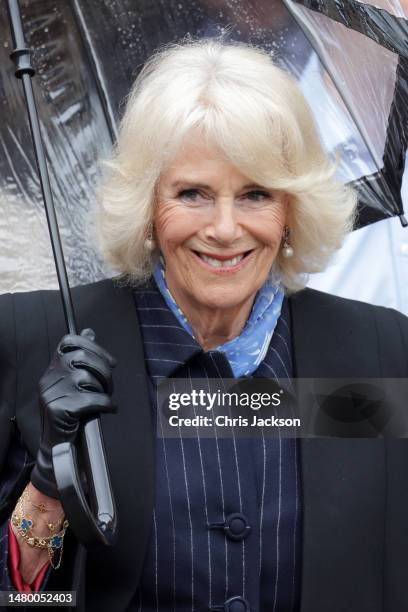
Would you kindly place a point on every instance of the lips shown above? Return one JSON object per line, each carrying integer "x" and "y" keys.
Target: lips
{"x": 218, "y": 263}
{"x": 222, "y": 262}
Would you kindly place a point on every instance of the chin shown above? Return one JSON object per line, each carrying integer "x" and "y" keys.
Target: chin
{"x": 220, "y": 298}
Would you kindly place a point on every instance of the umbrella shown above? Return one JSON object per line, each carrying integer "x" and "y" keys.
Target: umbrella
{"x": 99, "y": 524}
{"x": 87, "y": 56}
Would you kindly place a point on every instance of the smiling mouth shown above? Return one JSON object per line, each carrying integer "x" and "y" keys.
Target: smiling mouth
{"x": 221, "y": 261}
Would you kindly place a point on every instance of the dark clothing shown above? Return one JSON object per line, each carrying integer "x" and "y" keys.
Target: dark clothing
{"x": 355, "y": 498}
{"x": 203, "y": 482}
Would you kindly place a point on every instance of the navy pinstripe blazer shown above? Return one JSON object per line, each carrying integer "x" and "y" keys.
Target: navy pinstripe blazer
{"x": 203, "y": 486}
{"x": 354, "y": 528}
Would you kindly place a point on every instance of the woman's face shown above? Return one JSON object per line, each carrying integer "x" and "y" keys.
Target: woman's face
{"x": 218, "y": 232}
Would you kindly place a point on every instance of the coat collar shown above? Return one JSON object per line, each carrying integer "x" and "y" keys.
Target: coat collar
{"x": 163, "y": 333}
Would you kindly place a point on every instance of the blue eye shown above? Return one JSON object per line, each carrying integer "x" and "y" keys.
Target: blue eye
{"x": 189, "y": 194}
{"x": 257, "y": 195}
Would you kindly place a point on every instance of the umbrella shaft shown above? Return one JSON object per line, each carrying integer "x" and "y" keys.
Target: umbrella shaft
{"x": 24, "y": 70}
{"x": 49, "y": 205}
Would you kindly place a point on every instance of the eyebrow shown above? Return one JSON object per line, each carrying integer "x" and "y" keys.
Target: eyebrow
{"x": 190, "y": 182}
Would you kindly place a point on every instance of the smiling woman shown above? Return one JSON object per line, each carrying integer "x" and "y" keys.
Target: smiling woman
{"x": 217, "y": 202}
{"x": 231, "y": 103}
{"x": 219, "y": 237}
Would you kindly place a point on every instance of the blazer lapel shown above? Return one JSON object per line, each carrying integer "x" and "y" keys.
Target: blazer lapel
{"x": 343, "y": 479}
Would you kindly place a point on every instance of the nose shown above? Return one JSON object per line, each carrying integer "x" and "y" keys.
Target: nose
{"x": 223, "y": 226}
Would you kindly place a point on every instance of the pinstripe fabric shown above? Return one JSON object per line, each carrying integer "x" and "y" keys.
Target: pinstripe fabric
{"x": 199, "y": 482}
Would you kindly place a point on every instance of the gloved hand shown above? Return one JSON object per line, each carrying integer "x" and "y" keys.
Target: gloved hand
{"x": 77, "y": 385}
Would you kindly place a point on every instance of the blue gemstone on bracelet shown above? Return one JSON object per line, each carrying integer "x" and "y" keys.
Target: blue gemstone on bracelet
{"x": 26, "y": 524}
{"x": 56, "y": 541}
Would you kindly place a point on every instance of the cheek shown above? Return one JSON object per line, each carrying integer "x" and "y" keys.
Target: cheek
{"x": 267, "y": 227}
{"x": 173, "y": 225}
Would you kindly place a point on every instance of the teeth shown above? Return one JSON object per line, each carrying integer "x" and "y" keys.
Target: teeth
{"x": 216, "y": 263}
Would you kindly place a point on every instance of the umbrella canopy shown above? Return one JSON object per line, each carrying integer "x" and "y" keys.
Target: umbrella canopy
{"x": 349, "y": 58}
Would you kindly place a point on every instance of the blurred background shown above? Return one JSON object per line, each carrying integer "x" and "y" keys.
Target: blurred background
{"x": 88, "y": 53}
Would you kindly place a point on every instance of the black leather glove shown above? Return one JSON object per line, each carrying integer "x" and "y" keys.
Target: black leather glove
{"x": 77, "y": 385}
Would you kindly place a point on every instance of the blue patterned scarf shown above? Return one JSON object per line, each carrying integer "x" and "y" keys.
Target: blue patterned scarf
{"x": 246, "y": 351}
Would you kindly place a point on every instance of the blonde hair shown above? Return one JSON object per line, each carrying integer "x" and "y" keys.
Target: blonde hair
{"x": 256, "y": 113}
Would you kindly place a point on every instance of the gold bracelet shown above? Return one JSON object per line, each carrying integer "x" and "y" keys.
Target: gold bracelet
{"x": 42, "y": 508}
{"x": 53, "y": 543}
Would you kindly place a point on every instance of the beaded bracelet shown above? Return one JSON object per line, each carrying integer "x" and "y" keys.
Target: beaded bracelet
{"x": 53, "y": 543}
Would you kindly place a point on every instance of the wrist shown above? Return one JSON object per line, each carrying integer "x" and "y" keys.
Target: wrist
{"x": 40, "y": 525}
{"x": 42, "y": 502}
{"x": 47, "y": 512}
{"x": 37, "y": 552}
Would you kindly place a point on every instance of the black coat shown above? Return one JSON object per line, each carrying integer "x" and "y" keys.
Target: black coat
{"x": 355, "y": 493}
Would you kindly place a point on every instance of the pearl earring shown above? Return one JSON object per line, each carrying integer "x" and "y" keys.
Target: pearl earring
{"x": 149, "y": 243}
{"x": 287, "y": 250}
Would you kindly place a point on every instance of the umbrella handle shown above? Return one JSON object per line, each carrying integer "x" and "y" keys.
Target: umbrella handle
{"x": 88, "y": 528}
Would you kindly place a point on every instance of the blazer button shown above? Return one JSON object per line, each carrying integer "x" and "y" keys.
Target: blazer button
{"x": 236, "y": 527}
{"x": 236, "y": 604}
